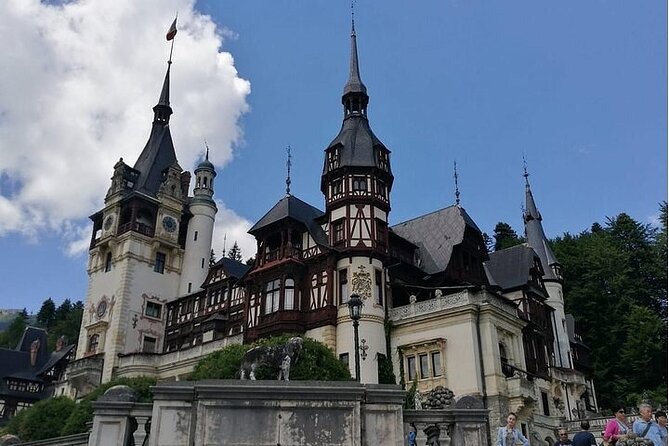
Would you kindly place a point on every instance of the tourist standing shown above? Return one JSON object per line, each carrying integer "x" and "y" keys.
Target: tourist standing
{"x": 617, "y": 427}
{"x": 584, "y": 438}
{"x": 509, "y": 435}
{"x": 646, "y": 427}
{"x": 563, "y": 438}
{"x": 412, "y": 434}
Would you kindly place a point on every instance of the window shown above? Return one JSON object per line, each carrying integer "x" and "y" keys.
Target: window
{"x": 272, "y": 292}
{"x": 289, "y": 295}
{"x": 336, "y": 188}
{"x": 108, "y": 262}
{"x": 411, "y": 367}
{"x": 379, "y": 286}
{"x": 159, "y": 266}
{"x": 338, "y": 231}
{"x": 544, "y": 403}
{"x": 93, "y": 342}
{"x": 153, "y": 309}
{"x": 195, "y": 236}
{"x": 359, "y": 184}
{"x": 202, "y": 263}
{"x": 190, "y": 285}
{"x": 343, "y": 286}
{"x": 436, "y": 363}
{"x": 343, "y": 357}
{"x": 381, "y": 232}
{"x": 424, "y": 370}
{"x": 380, "y": 189}
{"x": 149, "y": 344}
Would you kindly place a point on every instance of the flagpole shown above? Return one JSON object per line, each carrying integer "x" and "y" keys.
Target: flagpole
{"x": 169, "y": 62}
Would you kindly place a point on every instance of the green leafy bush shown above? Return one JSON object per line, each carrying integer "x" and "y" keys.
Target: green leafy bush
{"x": 315, "y": 362}
{"x": 386, "y": 374}
{"x": 43, "y": 420}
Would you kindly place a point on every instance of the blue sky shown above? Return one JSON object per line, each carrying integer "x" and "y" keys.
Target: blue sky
{"x": 578, "y": 88}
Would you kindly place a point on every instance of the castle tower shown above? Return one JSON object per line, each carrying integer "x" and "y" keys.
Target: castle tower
{"x": 200, "y": 229}
{"x": 356, "y": 183}
{"x": 137, "y": 251}
{"x": 536, "y": 239}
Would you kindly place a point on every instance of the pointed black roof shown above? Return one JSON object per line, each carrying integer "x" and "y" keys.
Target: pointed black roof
{"x": 356, "y": 140}
{"x": 158, "y": 154}
{"x": 232, "y": 267}
{"x": 295, "y": 209}
{"x": 535, "y": 236}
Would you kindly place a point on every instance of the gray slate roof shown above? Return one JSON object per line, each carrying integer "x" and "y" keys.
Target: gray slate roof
{"x": 16, "y": 363}
{"x": 358, "y": 142}
{"x": 436, "y": 234}
{"x": 510, "y": 268}
{"x": 296, "y": 209}
{"x": 232, "y": 267}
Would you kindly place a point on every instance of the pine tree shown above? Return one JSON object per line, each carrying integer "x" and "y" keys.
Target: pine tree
{"x": 235, "y": 253}
{"x": 46, "y": 314}
{"x": 505, "y": 236}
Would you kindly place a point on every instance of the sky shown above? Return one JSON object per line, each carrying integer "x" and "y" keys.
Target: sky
{"x": 578, "y": 89}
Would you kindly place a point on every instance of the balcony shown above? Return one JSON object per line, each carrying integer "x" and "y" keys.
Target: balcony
{"x": 85, "y": 374}
{"x": 136, "y": 227}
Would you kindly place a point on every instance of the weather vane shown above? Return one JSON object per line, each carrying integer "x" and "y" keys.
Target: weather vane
{"x": 457, "y": 189}
{"x": 206, "y": 155}
{"x": 353, "y": 16}
{"x": 525, "y": 174}
{"x": 288, "y": 164}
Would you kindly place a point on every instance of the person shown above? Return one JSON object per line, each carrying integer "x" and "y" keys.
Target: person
{"x": 617, "y": 427}
{"x": 412, "y": 434}
{"x": 563, "y": 437}
{"x": 646, "y": 427}
{"x": 584, "y": 438}
{"x": 661, "y": 418}
{"x": 510, "y": 436}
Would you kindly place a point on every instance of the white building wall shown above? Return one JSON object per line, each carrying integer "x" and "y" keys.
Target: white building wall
{"x": 198, "y": 249}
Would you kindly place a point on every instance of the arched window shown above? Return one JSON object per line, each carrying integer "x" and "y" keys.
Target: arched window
{"x": 507, "y": 370}
{"x": 289, "y": 294}
{"x": 93, "y": 342}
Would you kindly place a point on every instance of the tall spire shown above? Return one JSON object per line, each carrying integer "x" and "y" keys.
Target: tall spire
{"x": 355, "y": 97}
{"x": 534, "y": 232}
{"x": 162, "y": 110}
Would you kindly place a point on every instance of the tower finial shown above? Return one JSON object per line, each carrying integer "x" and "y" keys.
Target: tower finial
{"x": 457, "y": 189}
{"x": 206, "y": 155}
{"x": 225, "y": 237}
{"x": 525, "y": 174}
{"x": 288, "y": 164}
{"x": 171, "y": 33}
{"x": 353, "y": 17}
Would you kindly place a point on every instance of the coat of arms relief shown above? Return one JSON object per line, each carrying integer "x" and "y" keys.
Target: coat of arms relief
{"x": 362, "y": 283}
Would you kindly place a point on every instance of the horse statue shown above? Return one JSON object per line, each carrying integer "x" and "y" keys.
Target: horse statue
{"x": 278, "y": 356}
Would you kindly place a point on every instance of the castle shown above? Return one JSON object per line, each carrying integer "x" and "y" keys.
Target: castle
{"x": 436, "y": 304}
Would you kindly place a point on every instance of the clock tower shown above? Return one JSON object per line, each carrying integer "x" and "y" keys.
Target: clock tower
{"x": 150, "y": 244}
{"x": 356, "y": 183}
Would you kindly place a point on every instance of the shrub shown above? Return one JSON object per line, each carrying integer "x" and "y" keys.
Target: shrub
{"x": 315, "y": 362}
{"x": 42, "y": 420}
{"x": 386, "y": 374}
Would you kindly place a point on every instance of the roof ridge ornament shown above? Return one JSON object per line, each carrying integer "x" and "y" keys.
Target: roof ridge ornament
{"x": 457, "y": 189}
{"x": 288, "y": 164}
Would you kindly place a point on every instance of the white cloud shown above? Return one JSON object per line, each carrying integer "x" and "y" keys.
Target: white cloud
{"x": 79, "y": 81}
{"x": 232, "y": 228}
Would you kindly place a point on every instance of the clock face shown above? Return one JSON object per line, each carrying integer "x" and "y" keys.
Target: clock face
{"x": 169, "y": 224}
{"x": 102, "y": 308}
{"x": 109, "y": 221}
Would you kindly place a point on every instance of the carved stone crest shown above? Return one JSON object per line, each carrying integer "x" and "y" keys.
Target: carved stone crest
{"x": 362, "y": 283}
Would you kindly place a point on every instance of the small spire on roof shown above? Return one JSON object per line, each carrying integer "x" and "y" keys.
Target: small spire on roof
{"x": 457, "y": 189}
{"x": 353, "y": 17}
{"x": 288, "y": 164}
{"x": 206, "y": 155}
{"x": 525, "y": 174}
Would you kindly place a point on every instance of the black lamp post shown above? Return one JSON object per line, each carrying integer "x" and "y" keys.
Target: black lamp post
{"x": 354, "y": 307}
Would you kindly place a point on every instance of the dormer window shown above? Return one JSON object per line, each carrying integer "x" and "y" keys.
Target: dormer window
{"x": 334, "y": 158}
{"x": 382, "y": 159}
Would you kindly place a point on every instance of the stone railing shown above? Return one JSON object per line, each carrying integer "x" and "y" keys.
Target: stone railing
{"x": 450, "y": 301}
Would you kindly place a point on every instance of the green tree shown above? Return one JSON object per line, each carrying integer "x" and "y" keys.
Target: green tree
{"x": 505, "y": 236}
{"x": 47, "y": 314}
{"x": 67, "y": 324}
{"x": 212, "y": 258}
{"x": 235, "y": 253}
{"x": 11, "y": 337}
{"x": 615, "y": 286}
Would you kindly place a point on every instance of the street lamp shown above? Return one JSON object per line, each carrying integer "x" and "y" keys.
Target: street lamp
{"x": 354, "y": 307}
